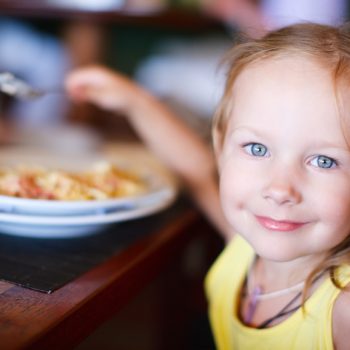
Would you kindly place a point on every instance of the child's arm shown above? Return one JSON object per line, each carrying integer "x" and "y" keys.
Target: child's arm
{"x": 341, "y": 321}
{"x": 162, "y": 131}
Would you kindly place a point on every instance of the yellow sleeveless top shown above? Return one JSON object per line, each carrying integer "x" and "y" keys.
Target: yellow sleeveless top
{"x": 309, "y": 330}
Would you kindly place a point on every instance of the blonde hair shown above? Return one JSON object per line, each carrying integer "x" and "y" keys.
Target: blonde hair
{"x": 327, "y": 46}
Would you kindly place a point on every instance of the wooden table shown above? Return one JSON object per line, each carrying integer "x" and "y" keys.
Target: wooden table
{"x": 61, "y": 320}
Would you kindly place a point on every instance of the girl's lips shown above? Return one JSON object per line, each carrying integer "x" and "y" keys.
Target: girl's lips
{"x": 275, "y": 225}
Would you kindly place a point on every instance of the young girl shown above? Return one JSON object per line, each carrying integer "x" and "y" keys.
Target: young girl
{"x": 282, "y": 144}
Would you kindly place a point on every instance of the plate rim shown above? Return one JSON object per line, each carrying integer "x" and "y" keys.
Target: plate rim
{"x": 168, "y": 196}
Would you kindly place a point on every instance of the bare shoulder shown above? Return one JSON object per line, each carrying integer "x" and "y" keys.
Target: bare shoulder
{"x": 341, "y": 320}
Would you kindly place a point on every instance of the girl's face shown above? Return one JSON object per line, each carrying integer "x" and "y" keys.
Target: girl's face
{"x": 285, "y": 164}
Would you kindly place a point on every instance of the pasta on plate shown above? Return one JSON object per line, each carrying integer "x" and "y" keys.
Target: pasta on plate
{"x": 103, "y": 181}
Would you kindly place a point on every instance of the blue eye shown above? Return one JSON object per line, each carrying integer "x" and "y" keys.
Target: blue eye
{"x": 256, "y": 149}
{"x": 323, "y": 162}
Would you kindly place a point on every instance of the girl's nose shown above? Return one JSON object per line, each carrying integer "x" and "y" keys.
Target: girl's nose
{"x": 282, "y": 190}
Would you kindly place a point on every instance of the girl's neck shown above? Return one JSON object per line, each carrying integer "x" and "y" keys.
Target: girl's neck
{"x": 274, "y": 290}
{"x": 274, "y": 275}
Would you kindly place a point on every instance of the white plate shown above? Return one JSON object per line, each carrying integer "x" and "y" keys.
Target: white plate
{"x": 60, "y": 219}
{"x": 76, "y": 226}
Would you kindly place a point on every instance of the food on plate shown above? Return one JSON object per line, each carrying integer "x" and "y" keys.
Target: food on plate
{"x": 103, "y": 181}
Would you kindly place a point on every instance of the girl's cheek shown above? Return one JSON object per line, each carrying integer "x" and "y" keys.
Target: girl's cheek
{"x": 232, "y": 182}
{"x": 336, "y": 211}
{"x": 330, "y": 199}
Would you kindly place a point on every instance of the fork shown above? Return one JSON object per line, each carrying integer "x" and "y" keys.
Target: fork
{"x": 11, "y": 85}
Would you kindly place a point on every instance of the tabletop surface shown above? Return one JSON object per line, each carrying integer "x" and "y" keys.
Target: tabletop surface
{"x": 32, "y": 319}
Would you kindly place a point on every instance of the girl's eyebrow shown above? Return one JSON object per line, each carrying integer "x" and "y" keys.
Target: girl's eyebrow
{"x": 244, "y": 130}
{"x": 331, "y": 146}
